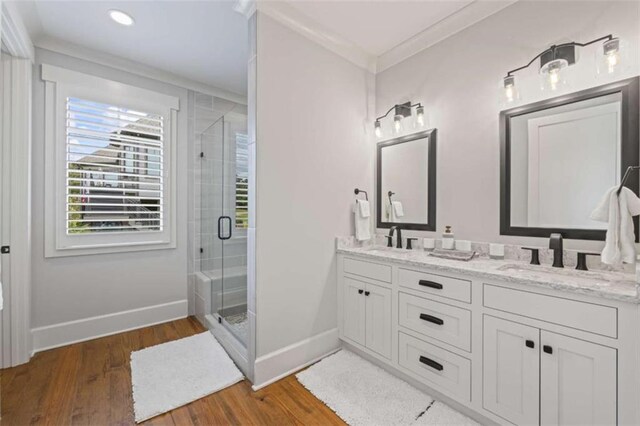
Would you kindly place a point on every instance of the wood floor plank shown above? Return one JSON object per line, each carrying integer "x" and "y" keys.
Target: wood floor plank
{"x": 89, "y": 383}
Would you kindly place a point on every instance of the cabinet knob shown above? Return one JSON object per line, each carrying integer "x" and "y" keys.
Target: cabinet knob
{"x": 366, "y": 293}
{"x": 547, "y": 349}
{"x": 360, "y": 291}
{"x": 530, "y": 344}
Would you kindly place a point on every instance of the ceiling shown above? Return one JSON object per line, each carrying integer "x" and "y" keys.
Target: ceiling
{"x": 378, "y": 26}
{"x": 205, "y": 41}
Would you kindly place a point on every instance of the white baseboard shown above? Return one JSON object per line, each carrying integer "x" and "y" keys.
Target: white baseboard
{"x": 274, "y": 366}
{"x": 66, "y": 333}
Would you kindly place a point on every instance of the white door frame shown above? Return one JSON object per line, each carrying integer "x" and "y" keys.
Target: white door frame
{"x": 17, "y": 143}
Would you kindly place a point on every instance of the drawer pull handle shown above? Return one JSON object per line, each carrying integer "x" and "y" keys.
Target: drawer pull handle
{"x": 432, "y": 319}
{"x": 548, "y": 349}
{"x": 431, "y": 363}
{"x": 360, "y": 291}
{"x": 431, "y": 284}
{"x": 530, "y": 344}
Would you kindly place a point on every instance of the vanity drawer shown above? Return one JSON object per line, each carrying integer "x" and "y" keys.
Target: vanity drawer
{"x": 453, "y": 288}
{"x": 439, "y": 368}
{"x": 434, "y": 319}
{"x": 371, "y": 270}
{"x": 585, "y": 316}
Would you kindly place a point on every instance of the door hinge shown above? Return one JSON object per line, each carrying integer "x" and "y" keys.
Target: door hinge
{"x": 5, "y": 249}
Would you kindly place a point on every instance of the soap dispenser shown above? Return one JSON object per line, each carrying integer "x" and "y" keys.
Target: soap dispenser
{"x": 448, "y": 242}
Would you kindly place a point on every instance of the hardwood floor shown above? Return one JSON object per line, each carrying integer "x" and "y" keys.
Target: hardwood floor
{"x": 89, "y": 383}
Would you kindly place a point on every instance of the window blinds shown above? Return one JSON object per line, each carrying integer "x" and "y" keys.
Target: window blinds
{"x": 114, "y": 168}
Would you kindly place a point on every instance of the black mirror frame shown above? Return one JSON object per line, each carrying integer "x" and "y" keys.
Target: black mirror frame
{"x": 431, "y": 134}
{"x": 629, "y": 154}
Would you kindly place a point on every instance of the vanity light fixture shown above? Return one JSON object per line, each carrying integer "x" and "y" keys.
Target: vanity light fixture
{"x": 121, "y": 18}
{"x": 557, "y": 58}
{"x": 401, "y": 111}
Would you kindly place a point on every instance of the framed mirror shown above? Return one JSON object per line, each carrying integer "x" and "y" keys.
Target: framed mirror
{"x": 560, "y": 156}
{"x": 406, "y": 182}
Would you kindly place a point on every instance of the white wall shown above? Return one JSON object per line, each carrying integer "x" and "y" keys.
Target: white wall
{"x": 313, "y": 110}
{"x": 458, "y": 81}
{"x": 151, "y": 284}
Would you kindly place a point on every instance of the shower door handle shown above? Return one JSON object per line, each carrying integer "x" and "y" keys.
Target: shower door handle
{"x": 220, "y": 219}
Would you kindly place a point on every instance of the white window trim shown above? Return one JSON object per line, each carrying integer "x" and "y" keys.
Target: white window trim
{"x": 61, "y": 83}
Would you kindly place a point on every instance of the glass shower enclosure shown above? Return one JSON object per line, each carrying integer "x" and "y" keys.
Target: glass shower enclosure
{"x": 224, "y": 215}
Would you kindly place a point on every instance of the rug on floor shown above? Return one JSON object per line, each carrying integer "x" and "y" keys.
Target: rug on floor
{"x": 361, "y": 393}
{"x": 173, "y": 374}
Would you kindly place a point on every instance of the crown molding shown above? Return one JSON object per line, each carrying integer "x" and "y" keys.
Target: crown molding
{"x": 122, "y": 64}
{"x": 309, "y": 28}
{"x": 14, "y": 33}
{"x": 447, "y": 27}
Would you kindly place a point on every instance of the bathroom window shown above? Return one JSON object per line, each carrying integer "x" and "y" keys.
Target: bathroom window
{"x": 110, "y": 165}
{"x": 242, "y": 181}
{"x": 114, "y": 169}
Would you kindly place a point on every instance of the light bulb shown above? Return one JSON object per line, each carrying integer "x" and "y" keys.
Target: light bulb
{"x": 554, "y": 78}
{"x": 378, "y": 129}
{"x": 612, "y": 54}
{"x": 509, "y": 85}
{"x": 420, "y": 116}
{"x": 552, "y": 73}
{"x": 397, "y": 123}
{"x": 612, "y": 61}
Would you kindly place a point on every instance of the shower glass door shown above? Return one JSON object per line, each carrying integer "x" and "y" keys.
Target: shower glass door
{"x": 233, "y": 226}
{"x": 224, "y": 219}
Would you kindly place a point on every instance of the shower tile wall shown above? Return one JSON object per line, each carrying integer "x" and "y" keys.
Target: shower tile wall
{"x": 205, "y": 197}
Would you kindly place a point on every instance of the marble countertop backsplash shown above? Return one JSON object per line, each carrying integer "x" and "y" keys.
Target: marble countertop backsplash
{"x": 600, "y": 281}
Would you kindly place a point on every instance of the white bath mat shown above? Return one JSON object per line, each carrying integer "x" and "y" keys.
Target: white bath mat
{"x": 173, "y": 374}
{"x": 364, "y": 394}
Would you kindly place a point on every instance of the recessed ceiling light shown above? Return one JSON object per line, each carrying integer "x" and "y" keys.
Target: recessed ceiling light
{"x": 121, "y": 18}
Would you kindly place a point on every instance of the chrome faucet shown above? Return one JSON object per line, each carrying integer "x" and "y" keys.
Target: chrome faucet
{"x": 399, "y": 233}
{"x": 555, "y": 243}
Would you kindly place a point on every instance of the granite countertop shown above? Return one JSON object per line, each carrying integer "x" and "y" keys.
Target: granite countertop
{"x": 618, "y": 286}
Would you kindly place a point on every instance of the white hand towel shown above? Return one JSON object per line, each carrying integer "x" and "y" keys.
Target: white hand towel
{"x": 364, "y": 209}
{"x": 396, "y": 211}
{"x": 363, "y": 223}
{"x": 618, "y": 211}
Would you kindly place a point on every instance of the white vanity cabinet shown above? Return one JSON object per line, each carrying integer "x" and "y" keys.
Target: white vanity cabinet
{"x": 535, "y": 376}
{"x": 511, "y": 387}
{"x": 367, "y": 315}
{"x": 500, "y": 350}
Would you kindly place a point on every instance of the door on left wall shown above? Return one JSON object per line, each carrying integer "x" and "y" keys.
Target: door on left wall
{"x": 5, "y": 175}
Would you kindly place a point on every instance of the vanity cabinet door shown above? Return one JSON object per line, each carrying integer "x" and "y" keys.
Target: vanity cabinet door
{"x": 578, "y": 382}
{"x": 511, "y": 370}
{"x": 378, "y": 319}
{"x": 354, "y": 310}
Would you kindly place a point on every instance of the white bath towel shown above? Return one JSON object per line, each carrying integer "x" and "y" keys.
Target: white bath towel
{"x": 362, "y": 219}
{"x": 618, "y": 211}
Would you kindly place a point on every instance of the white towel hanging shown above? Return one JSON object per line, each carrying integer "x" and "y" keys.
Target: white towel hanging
{"x": 618, "y": 211}
{"x": 362, "y": 219}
